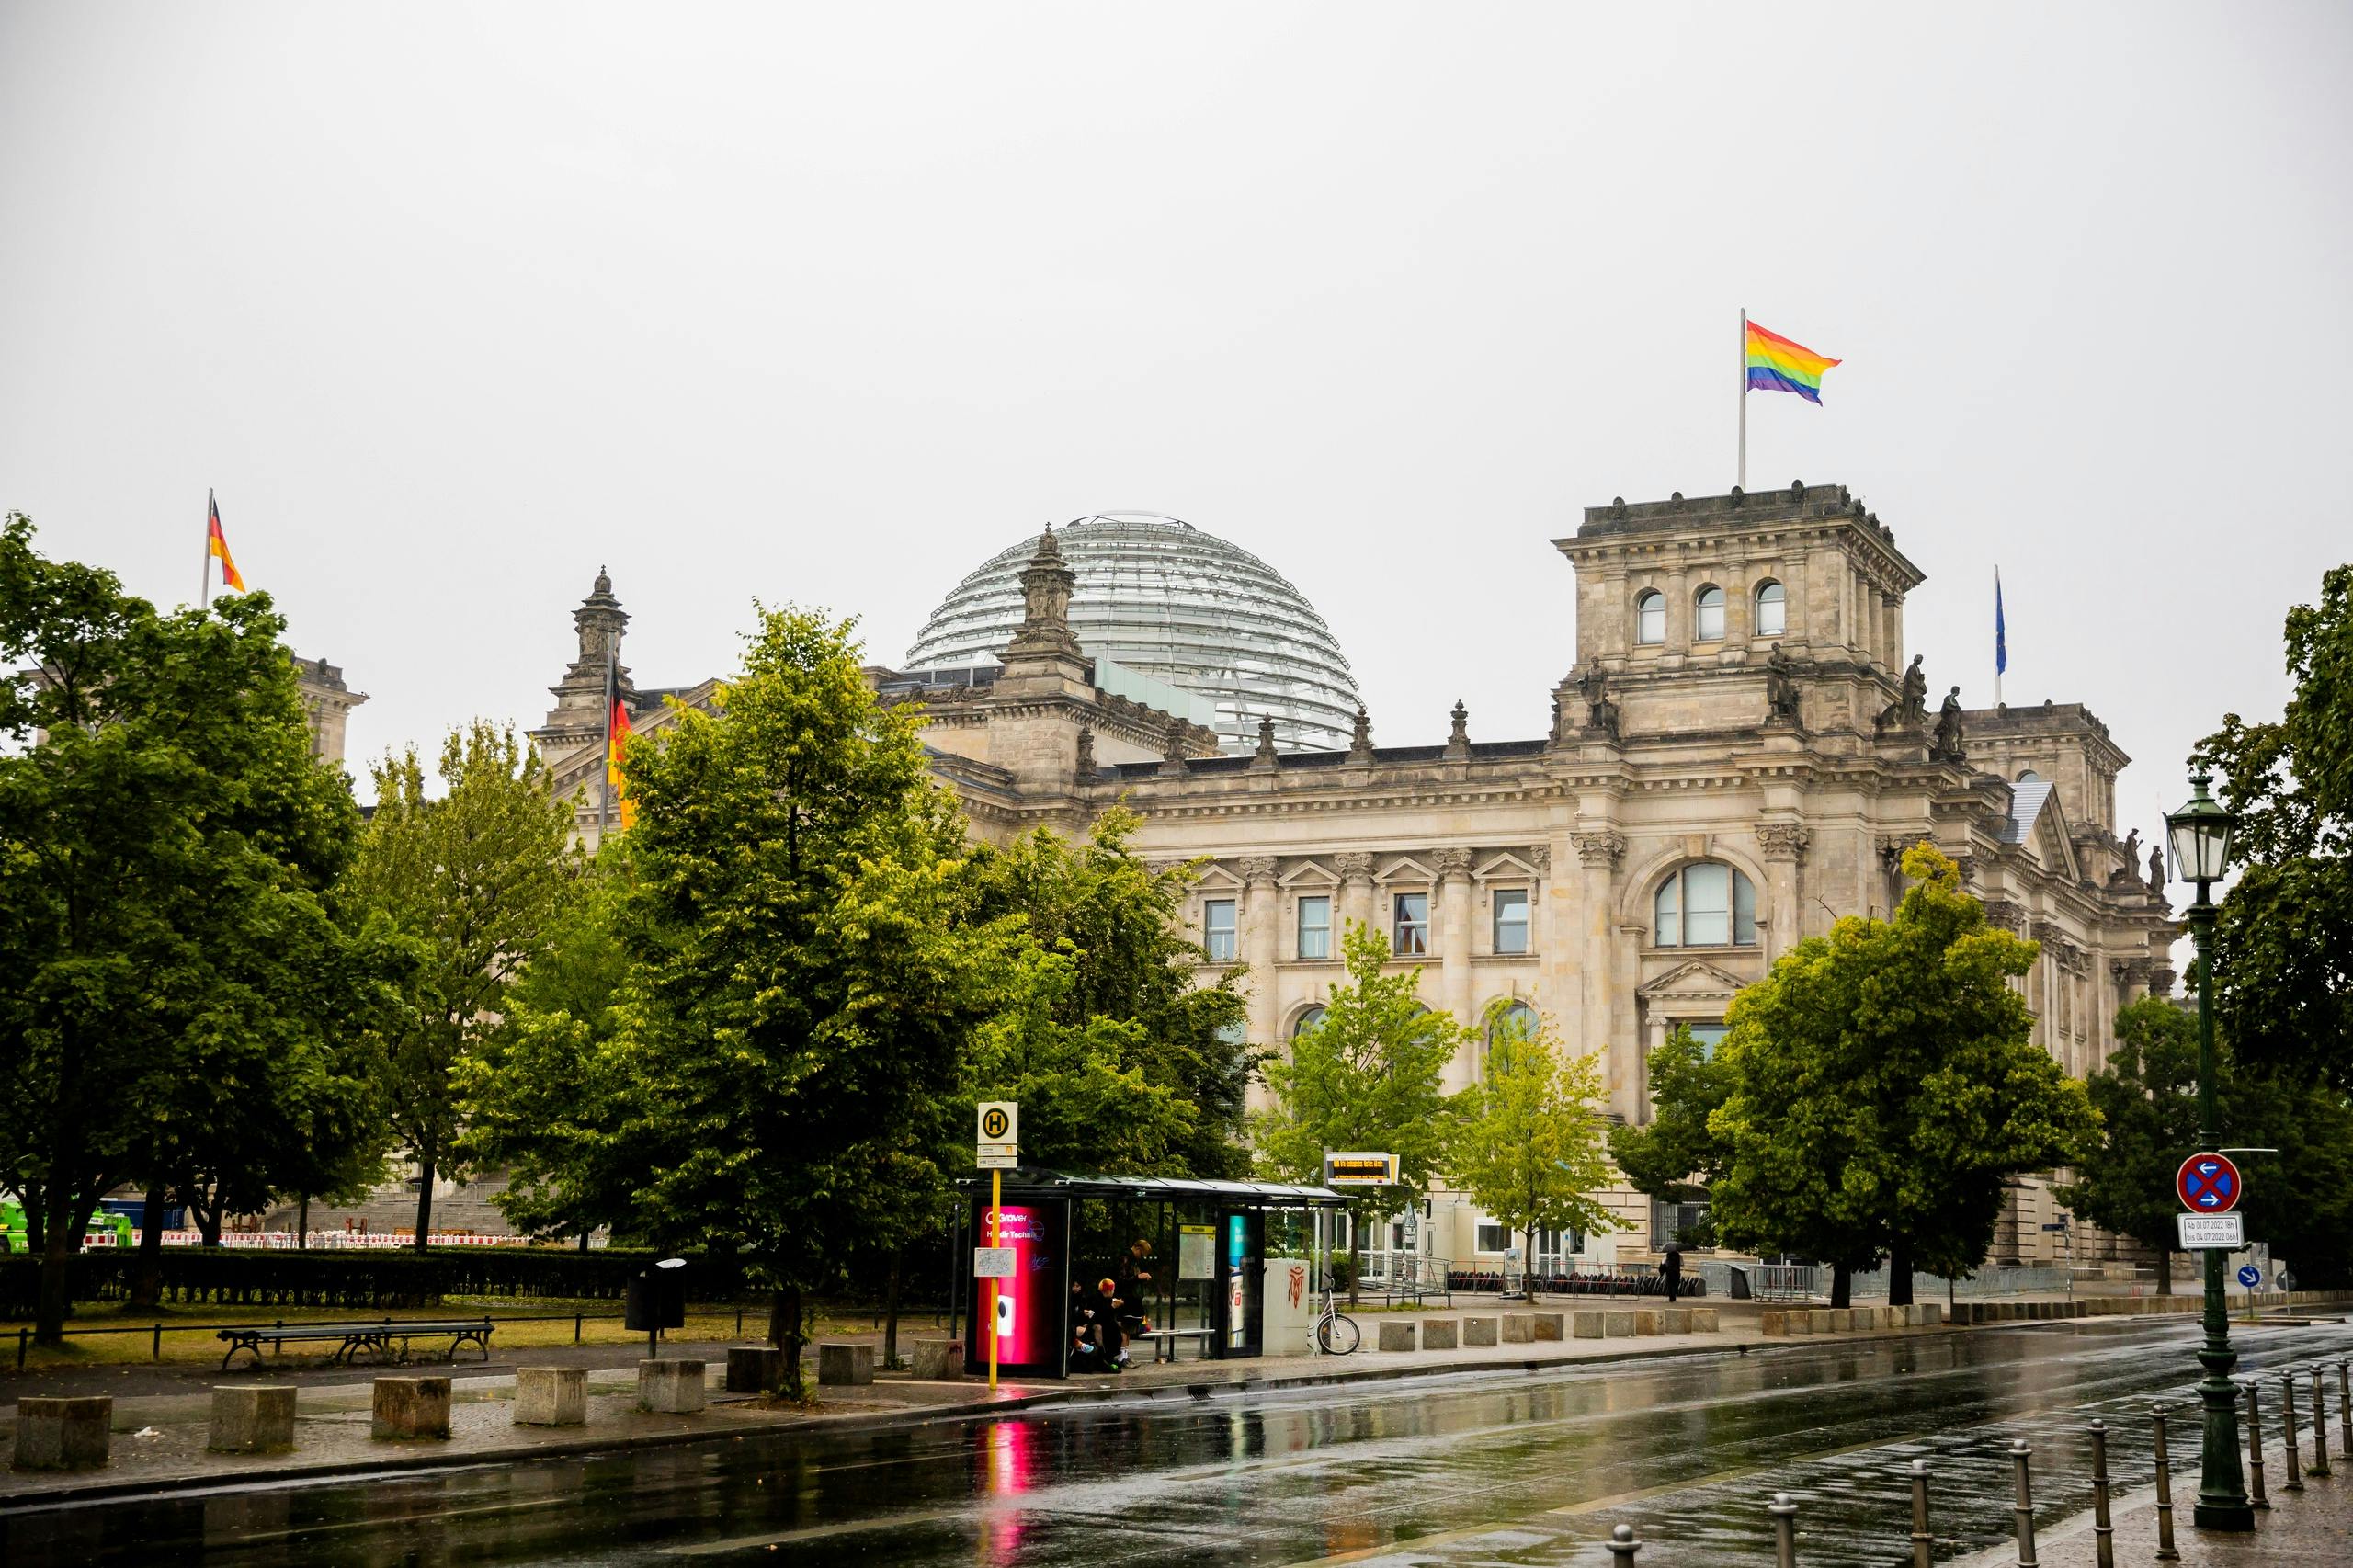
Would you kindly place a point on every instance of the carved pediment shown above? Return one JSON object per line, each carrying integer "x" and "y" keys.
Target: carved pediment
{"x": 1695, "y": 980}
{"x": 1506, "y": 866}
{"x": 1308, "y": 875}
{"x": 1405, "y": 869}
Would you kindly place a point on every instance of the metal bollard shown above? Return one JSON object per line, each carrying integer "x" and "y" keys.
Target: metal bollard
{"x": 1922, "y": 1541}
{"x": 2295, "y": 1481}
{"x": 2165, "y": 1552}
{"x": 2256, "y": 1497}
{"x": 1785, "y": 1529}
{"x": 2344, "y": 1406}
{"x": 2024, "y": 1507}
{"x": 1622, "y": 1546}
{"x": 2103, "y": 1527}
{"x": 2320, "y": 1425}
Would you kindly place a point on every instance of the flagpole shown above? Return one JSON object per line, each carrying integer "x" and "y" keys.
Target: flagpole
{"x": 1744, "y": 397}
{"x": 204, "y": 593}
{"x": 2000, "y": 633}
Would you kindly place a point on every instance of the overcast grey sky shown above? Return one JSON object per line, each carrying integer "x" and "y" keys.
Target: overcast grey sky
{"x": 829, "y": 303}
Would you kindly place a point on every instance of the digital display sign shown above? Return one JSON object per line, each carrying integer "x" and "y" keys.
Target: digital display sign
{"x": 1033, "y": 1304}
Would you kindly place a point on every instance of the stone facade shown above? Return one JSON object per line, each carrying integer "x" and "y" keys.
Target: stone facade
{"x": 1741, "y": 726}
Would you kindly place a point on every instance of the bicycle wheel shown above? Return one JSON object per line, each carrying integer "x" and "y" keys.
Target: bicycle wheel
{"x": 1338, "y": 1335}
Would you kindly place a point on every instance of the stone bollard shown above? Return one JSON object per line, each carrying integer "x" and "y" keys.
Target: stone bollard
{"x": 1784, "y": 1510}
{"x": 1395, "y": 1336}
{"x": 1622, "y": 1546}
{"x": 1675, "y": 1320}
{"x": 670, "y": 1387}
{"x": 1478, "y": 1332}
{"x": 1703, "y": 1320}
{"x": 846, "y": 1363}
{"x": 1546, "y": 1325}
{"x": 248, "y": 1419}
{"x": 2255, "y": 1496}
{"x": 2022, "y": 1508}
{"x": 755, "y": 1369}
{"x": 550, "y": 1396}
{"x": 1618, "y": 1323}
{"x": 939, "y": 1360}
{"x": 410, "y": 1408}
{"x": 2165, "y": 1550}
{"x": 64, "y": 1434}
{"x": 1647, "y": 1321}
{"x": 1585, "y": 1325}
{"x": 1440, "y": 1333}
{"x": 1518, "y": 1329}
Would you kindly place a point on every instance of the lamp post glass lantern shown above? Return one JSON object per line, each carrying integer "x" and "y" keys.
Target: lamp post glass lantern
{"x": 2200, "y": 834}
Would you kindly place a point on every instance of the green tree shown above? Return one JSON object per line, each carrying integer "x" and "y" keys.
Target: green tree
{"x": 1885, "y": 1089}
{"x": 2283, "y": 948}
{"x": 1367, "y": 1077}
{"x": 1527, "y": 1143}
{"x": 806, "y": 971}
{"x": 1673, "y": 1157}
{"x": 477, "y": 880}
{"x": 167, "y": 968}
{"x": 2147, "y": 1100}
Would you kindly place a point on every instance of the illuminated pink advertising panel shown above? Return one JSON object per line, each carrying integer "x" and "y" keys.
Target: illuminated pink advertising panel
{"x": 1033, "y": 1306}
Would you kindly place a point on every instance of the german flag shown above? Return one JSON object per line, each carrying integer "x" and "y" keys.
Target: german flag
{"x": 217, "y": 546}
{"x": 617, "y": 733}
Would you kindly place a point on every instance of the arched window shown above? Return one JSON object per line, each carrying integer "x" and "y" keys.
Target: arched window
{"x": 1306, "y": 1021}
{"x": 1707, "y": 626}
{"x": 1772, "y": 609}
{"x": 1705, "y": 904}
{"x": 2028, "y": 776}
{"x": 1650, "y": 616}
{"x": 1508, "y": 1025}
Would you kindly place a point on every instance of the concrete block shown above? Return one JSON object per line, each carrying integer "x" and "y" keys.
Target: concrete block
{"x": 1396, "y": 1336}
{"x": 1547, "y": 1324}
{"x": 1842, "y": 1320}
{"x": 1618, "y": 1323}
{"x": 1439, "y": 1334}
{"x": 247, "y": 1419}
{"x": 550, "y": 1396}
{"x": 411, "y": 1407}
{"x": 937, "y": 1360}
{"x": 1773, "y": 1323}
{"x": 1703, "y": 1320}
{"x": 755, "y": 1369}
{"x": 1819, "y": 1320}
{"x": 1647, "y": 1321}
{"x": 1518, "y": 1329}
{"x": 1478, "y": 1332}
{"x": 1930, "y": 1315}
{"x": 674, "y": 1388}
{"x": 64, "y": 1434}
{"x": 1585, "y": 1325}
{"x": 845, "y": 1362}
{"x": 1675, "y": 1320}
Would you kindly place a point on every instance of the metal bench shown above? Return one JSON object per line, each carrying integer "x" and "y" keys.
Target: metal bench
{"x": 352, "y": 1338}
{"x": 1163, "y": 1340}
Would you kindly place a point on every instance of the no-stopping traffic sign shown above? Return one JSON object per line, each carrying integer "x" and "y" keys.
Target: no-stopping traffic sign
{"x": 2207, "y": 1184}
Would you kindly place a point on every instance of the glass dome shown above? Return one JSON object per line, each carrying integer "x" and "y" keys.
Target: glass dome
{"x": 1161, "y": 598}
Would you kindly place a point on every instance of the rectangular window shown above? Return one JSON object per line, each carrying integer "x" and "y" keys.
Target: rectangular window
{"x": 1710, "y": 1036}
{"x": 1412, "y": 930}
{"x": 1511, "y": 920}
{"x": 1315, "y": 927}
{"x": 1216, "y": 929}
{"x": 1493, "y": 1237}
{"x": 1707, "y": 899}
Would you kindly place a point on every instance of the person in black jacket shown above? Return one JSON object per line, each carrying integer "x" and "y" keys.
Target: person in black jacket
{"x": 1670, "y": 1273}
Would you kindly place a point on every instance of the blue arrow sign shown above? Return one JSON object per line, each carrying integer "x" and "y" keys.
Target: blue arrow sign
{"x": 2250, "y": 1275}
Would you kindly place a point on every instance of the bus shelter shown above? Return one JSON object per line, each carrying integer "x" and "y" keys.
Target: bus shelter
{"x": 1225, "y": 1269}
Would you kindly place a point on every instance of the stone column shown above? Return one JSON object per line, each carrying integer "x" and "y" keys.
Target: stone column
{"x": 1783, "y": 844}
{"x": 1454, "y": 931}
{"x": 1598, "y": 849}
{"x": 1356, "y": 893}
{"x": 1895, "y": 632}
{"x": 1262, "y": 904}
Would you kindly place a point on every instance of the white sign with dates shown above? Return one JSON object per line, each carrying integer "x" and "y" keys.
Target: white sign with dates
{"x": 2202, "y": 1232}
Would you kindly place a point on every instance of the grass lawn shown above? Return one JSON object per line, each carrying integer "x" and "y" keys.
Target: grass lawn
{"x": 600, "y": 1324}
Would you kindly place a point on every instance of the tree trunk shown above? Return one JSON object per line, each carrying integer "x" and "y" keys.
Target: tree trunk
{"x": 58, "y": 1237}
{"x": 1842, "y": 1285}
{"x": 302, "y": 1224}
{"x": 785, "y": 1332}
{"x": 425, "y": 1196}
{"x": 584, "y": 1238}
{"x": 1528, "y": 1265}
{"x": 1899, "y": 1273}
{"x": 147, "y": 1279}
{"x": 2164, "y": 1271}
{"x": 891, "y": 1313}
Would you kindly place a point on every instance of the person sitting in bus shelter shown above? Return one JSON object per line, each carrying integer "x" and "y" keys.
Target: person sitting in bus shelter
{"x": 1110, "y": 1338}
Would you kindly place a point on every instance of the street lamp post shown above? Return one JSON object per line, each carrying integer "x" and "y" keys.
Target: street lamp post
{"x": 2201, "y": 833}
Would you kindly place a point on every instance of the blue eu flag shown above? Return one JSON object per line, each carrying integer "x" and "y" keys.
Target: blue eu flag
{"x": 2001, "y": 631}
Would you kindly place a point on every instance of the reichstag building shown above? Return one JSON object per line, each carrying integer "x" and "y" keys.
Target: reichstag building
{"x": 1740, "y": 755}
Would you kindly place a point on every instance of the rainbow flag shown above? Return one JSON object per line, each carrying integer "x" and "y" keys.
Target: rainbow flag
{"x": 618, "y": 730}
{"x": 1775, "y": 364}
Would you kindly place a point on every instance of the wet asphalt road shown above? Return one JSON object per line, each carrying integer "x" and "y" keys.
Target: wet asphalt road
{"x": 1510, "y": 1468}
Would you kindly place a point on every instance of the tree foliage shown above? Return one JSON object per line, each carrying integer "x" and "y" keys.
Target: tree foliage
{"x": 1528, "y": 1141}
{"x": 1884, "y": 1089}
{"x": 2283, "y": 973}
{"x": 2147, "y": 1100}
{"x": 171, "y": 982}
{"x": 476, "y": 879}
{"x": 1675, "y": 1157}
